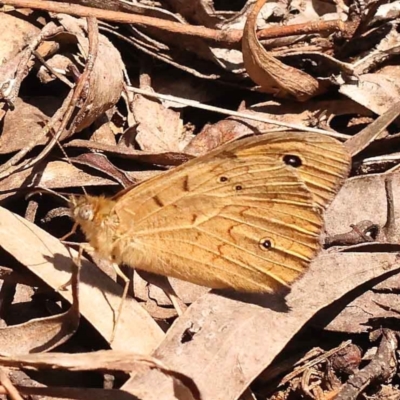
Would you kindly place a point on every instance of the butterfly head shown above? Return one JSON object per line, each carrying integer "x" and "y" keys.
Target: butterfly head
{"x": 95, "y": 216}
{"x": 91, "y": 212}
{"x": 83, "y": 209}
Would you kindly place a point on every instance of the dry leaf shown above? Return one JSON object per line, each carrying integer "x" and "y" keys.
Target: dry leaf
{"x": 354, "y": 202}
{"x": 321, "y": 114}
{"x": 24, "y": 124}
{"x": 168, "y": 158}
{"x": 46, "y": 257}
{"x": 377, "y": 91}
{"x": 105, "y": 360}
{"x": 367, "y": 311}
{"x": 52, "y": 175}
{"x": 42, "y": 334}
{"x": 362, "y": 139}
{"x": 232, "y": 341}
{"x": 106, "y": 83}
{"x": 272, "y": 75}
{"x": 159, "y": 129}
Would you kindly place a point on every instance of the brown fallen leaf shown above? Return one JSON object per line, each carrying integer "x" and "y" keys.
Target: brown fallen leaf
{"x": 372, "y": 309}
{"x": 361, "y": 198}
{"x": 104, "y": 360}
{"x": 271, "y": 74}
{"x": 353, "y": 204}
{"x": 314, "y": 113}
{"x": 25, "y": 122}
{"x": 52, "y": 175}
{"x": 43, "y": 334}
{"x": 362, "y": 139}
{"x": 101, "y": 163}
{"x": 99, "y": 97}
{"x": 167, "y": 158}
{"x": 159, "y": 129}
{"x": 232, "y": 341}
{"x": 47, "y": 258}
{"x": 69, "y": 393}
{"x": 375, "y": 91}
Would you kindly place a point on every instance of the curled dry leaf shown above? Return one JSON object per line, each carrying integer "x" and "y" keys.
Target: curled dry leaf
{"x": 25, "y": 123}
{"x": 25, "y": 127}
{"x": 106, "y": 360}
{"x": 52, "y": 175}
{"x": 42, "y": 334}
{"x": 15, "y": 34}
{"x": 101, "y": 163}
{"x": 100, "y": 297}
{"x": 271, "y": 74}
{"x": 105, "y": 85}
{"x": 167, "y": 158}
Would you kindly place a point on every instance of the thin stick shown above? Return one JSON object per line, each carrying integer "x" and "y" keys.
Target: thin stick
{"x": 197, "y": 104}
{"x": 10, "y": 388}
{"x": 123, "y": 297}
{"x": 231, "y": 36}
{"x": 80, "y": 87}
{"x": 61, "y": 77}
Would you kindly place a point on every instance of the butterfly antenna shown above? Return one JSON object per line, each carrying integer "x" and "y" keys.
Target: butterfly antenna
{"x": 42, "y": 189}
{"x": 69, "y": 161}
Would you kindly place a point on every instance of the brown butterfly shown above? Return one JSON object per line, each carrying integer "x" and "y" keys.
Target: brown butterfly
{"x": 247, "y": 215}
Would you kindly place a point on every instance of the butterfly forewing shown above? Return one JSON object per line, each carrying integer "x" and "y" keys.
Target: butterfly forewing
{"x": 233, "y": 218}
{"x": 322, "y": 162}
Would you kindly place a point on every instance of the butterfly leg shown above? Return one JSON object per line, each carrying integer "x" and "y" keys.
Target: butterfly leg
{"x": 78, "y": 262}
{"x": 123, "y": 297}
{"x": 178, "y": 304}
{"x": 163, "y": 283}
{"x": 70, "y": 233}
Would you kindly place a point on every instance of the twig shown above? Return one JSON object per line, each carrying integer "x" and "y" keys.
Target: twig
{"x": 233, "y": 36}
{"x": 381, "y": 369}
{"x": 196, "y": 104}
{"x": 367, "y": 231}
{"x": 73, "y": 100}
{"x": 61, "y": 77}
{"x": 93, "y": 36}
{"x": 24, "y": 66}
{"x": 322, "y": 358}
{"x": 389, "y": 230}
{"x": 10, "y": 388}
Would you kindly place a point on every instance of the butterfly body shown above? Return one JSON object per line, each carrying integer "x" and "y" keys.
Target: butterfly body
{"x": 245, "y": 216}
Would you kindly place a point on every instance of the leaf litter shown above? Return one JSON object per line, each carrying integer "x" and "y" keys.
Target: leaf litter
{"x": 88, "y": 79}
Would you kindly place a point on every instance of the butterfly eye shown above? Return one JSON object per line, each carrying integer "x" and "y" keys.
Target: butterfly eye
{"x": 223, "y": 178}
{"x": 292, "y": 160}
{"x": 266, "y": 244}
{"x": 238, "y": 187}
{"x": 86, "y": 213}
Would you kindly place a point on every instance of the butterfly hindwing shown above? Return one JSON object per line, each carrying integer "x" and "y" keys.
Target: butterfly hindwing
{"x": 238, "y": 217}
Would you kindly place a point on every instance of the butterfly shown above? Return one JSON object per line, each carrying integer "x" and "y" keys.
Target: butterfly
{"x": 247, "y": 215}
